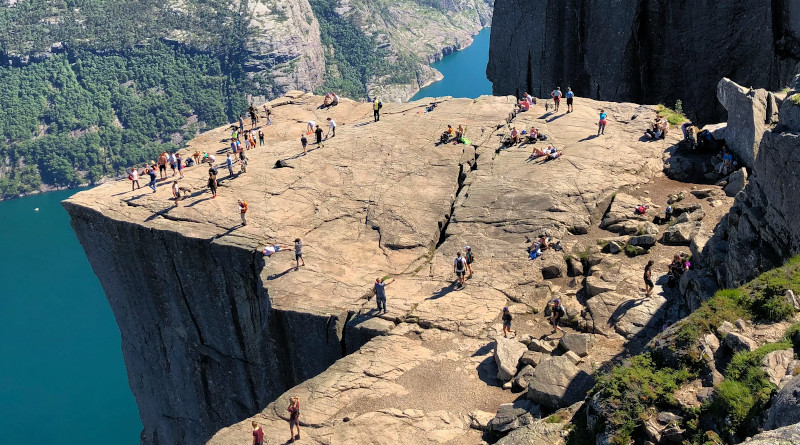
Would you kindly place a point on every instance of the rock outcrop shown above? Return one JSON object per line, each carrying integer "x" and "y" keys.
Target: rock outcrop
{"x": 785, "y": 408}
{"x": 214, "y": 333}
{"x": 643, "y": 51}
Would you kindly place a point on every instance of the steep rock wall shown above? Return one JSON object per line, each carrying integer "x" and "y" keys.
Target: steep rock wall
{"x": 643, "y": 51}
{"x": 203, "y": 348}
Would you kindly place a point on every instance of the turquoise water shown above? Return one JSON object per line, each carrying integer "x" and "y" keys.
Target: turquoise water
{"x": 464, "y": 72}
{"x": 62, "y": 378}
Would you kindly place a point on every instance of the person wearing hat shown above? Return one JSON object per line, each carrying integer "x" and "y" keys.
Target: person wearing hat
{"x": 556, "y": 314}
{"x": 507, "y": 323}
{"x": 470, "y": 258}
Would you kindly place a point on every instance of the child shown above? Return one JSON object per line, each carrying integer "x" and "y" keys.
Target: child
{"x": 507, "y": 323}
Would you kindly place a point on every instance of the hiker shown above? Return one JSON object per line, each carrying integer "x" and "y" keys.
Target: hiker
{"x": 176, "y": 193}
{"x": 241, "y": 124}
{"x": 727, "y": 162}
{"x": 268, "y": 111}
{"x": 243, "y": 211}
{"x": 648, "y": 278}
{"x": 507, "y": 323}
{"x": 298, "y": 253}
{"x": 229, "y": 164}
{"x": 318, "y": 133}
{"x": 376, "y": 109}
{"x": 304, "y": 142}
{"x": 535, "y": 251}
{"x": 667, "y": 215}
{"x": 173, "y": 163}
{"x": 246, "y": 142}
{"x": 570, "y": 97}
{"x": 242, "y": 162}
{"x": 514, "y": 136}
{"x": 676, "y": 269}
{"x": 460, "y": 268}
{"x": 470, "y": 259}
{"x": 556, "y": 95}
{"x": 294, "y": 417}
{"x": 601, "y": 126}
{"x": 212, "y": 182}
{"x": 269, "y": 250}
{"x": 260, "y": 138}
{"x": 380, "y": 293}
{"x": 152, "y": 173}
{"x": 179, "y": 162}
{"x": 258, "y": 434}
{"x": 252, "y": 139}
{"x": 134, "y": 177}
{"x": 162, "y": 165}
{"x": 331, "y": 128}
{"x": 310, "y": 126}
{"x": 253, "y": 118}
{"x": 558, "y": 311}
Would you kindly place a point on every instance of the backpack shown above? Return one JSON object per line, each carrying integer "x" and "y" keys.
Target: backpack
{"x": 244, "y": 206}
{"x": 380, "y": 105}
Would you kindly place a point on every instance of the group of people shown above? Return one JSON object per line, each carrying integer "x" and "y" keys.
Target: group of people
{"x": 331, "y": 100}
{"x": 557, "y": 95}
{"x": 313, "y": 127}
{"x": 294, "y": 422}
{"x": 272, "y": 249}
{"x": 457, "y": 136}
{"x": 658, "y": 129}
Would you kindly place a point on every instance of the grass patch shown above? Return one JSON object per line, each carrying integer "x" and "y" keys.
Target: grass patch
{"x": 555, "y": 418}
{"x": 795, "y": 98}
{"x": 633, "y": 251}
{"x": 674, "y": 117}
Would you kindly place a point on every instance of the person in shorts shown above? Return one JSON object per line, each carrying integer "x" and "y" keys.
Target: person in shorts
{"x": 294, "y": 417}
{"x": 507, "y": 323}
{"x": 556, "y": 95}
{"x": 298, "y": 253}
{"x": 648, "y": 278}
{"x": 470, "y": 259}
{"x": 460, "y": 269}
{"x": 555, "y": 316}
{"x": 570, "y": 97}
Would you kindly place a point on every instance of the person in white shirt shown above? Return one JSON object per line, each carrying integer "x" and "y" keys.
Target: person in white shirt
{"x": 269, "y": 250}
{"x": 331, "y": 128}
{"x": 311, "y": 125}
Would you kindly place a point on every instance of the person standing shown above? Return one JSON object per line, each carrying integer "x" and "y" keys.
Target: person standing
{"x": 304, "y": 142}
{"x": 179, "y": 161}
{"x": 162, "y": 165}
{"x": 152, "y": 184}
{"x": 294, "y": 417}
{"x": 298, "y": 253}
{"x": 507, "y": 323}
{"x": 260, "y": 138}
{"x": 229, "y": 164}
{"x": 173, "y": 164}
{"x": 601, "y": 126}
{"x": 212, "y": 182}
{"x": 558, "y": 311}
{"x": 556, "y": 95}
{"x": 258, "y": 434}
{"x": 318, "y": 133}
{"x": 331, "y": 128}
{"x": 380, "y": 293}
{"x": 176, "y": 193}
{"x": 376, "y": 109}
{"x": 243, "y": 211}
{"x": 241, "y": 124}
{"x": 134, "y": 177}
{"x": 460, "y": 269}
{"x": 243, "y": 162}
{"x": 269, "y": 115}
{"x": 470, "y": 258}
{"x": 648, "y": 278}
{"x": 570, "y": 97}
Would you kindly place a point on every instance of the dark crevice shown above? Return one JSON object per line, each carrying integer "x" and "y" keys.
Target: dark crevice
{"x": 343, "y": 340}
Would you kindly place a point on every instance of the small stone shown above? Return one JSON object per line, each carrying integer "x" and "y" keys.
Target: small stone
{"x": 542, "y": 346}
{"x": 580, "y": 344}
{"x": 530, "y": 358}
{"x": 572, "y": 357}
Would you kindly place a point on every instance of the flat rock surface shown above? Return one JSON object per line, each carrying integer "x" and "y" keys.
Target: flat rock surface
{"x": 383, "y": 199}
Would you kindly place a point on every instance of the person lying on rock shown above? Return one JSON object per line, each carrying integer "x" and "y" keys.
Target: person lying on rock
{"x": 269, "y": 250}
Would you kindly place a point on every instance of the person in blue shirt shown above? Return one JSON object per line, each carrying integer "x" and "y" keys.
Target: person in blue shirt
{"x": 601, "y": 127}
{"x": 570, "y": 96}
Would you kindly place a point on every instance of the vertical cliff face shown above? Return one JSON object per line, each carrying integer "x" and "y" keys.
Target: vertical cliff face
{"x": 642, "y": 50}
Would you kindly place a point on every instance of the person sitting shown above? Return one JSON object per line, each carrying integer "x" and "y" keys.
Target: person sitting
{"x": 726, "y": 166}
{"x": 676, "y": 269}
{"x": 444, "y": 138}
{"x": 531, "y": 99}
{"x": 534, "y": 251}
{"x": 460, "y": 133}
{"x": 334, "y": 99}
{"x": 524, "y": 105}
{"x": 641, "y": 209}
{"x": 327, "y": 102}
{"x": 533, "y": 136}
{"x": 514, "y": 136}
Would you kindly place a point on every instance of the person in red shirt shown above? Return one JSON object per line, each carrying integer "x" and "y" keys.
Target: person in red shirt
{"x": 258, "y": 435}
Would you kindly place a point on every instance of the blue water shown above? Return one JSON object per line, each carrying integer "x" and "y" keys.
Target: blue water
{"x": 62, "y": 378}
{"x": 464, "y": 72}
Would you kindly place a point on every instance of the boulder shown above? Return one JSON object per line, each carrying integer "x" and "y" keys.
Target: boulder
{"x": 507, "y": 353}
{"x": 572, "y": 357}
{"x": 530, "y": 358}
{"x": 747, "y": 117}
{"x": 785, "y": 408}
{"x": 697, "y": 215}
{"x": 643, "y": 240}
{"x": 738, "y": 342}
{"x": 479, "y": 420}
{"x": 577, "y": 343}
{"x": 679, "y": 209}
{"x": 776, "y": 364}
{"x": 522, "y": 377}
{"x": 615, "y": 247}
{"x": 792, "y": 299}
{"x": 542, "y": 346}
{"x": 625, "y": 315}
{"x": 621, "y": 210}
{"x": 511, "y": 416}
{"x": 553, "y": 265}
{"x": 596, "y": 285}
{"x": 736, "y": 182}
{"x": 681, "y": 234}
{"x": 558, "y": 383}
{"x": 725, "y": 327}
{"x": 703, "y": 193}
{"x": 788, "y": 435}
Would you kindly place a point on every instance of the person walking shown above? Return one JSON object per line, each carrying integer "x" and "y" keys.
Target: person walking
{"x": 243, "y": 211}
{"x": 176, "y": 193}
{"x": 558, "y": 311}
{"x": 470, "y": 259}
{"x": 242, "y": 162}
{"x": 152, "y": 184}
{"x": 376, "y": 109}
{"x": 269, "y": 115}
{"x": 258, "y": 434}
{"x": 556, "y": 95}
{"x": 318, "y": 133}
{"x": 648, "y": 278}
{"x": 570, "y": 97}
{"x": 294, "y": 417}
{"x": 298, "y": 253}
{"x": 601, "y": 126}
{"x": 304, "y": 142}
{"x": 212, "y": 182}
{"x": 229, "y": 164}
{"x": 260, "y": 138}
{"x": 380, "y": 293}
{"x": 179, "y": 161}
{"x": 460, "y": 268}
{"x": 134, "y": 177}
{"x": 331, "y": 128}
{"x": 507, "y": 323}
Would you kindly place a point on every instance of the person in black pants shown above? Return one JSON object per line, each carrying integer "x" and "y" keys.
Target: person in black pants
{"x": 318, "y": 132}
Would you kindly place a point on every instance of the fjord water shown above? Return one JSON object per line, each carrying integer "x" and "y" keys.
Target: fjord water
{"x": 62, "y": 377}
{"x": 464, "y": 72}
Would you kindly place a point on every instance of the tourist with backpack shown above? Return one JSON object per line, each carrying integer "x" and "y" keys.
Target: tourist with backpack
{"x": 558, "y": 311}
{"x": 470, "y": 259}
{"x": 376, "y": 109}
{"x": 460, "y": 268}
{"x": 601, "y": 126}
